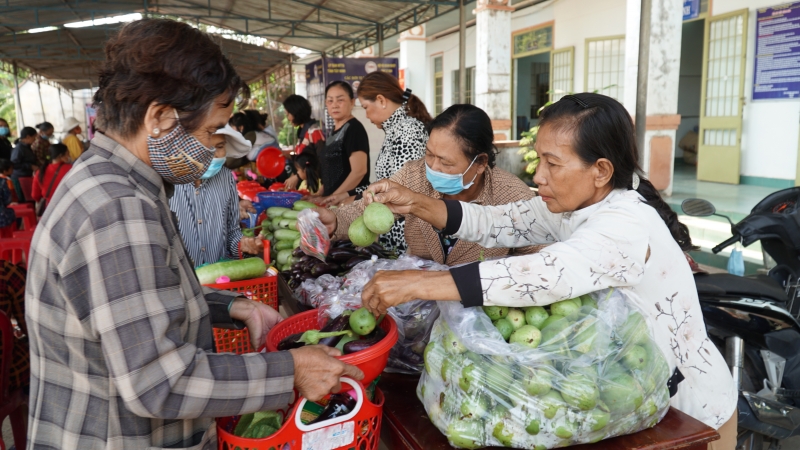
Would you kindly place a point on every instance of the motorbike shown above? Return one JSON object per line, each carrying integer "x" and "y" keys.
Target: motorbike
{"x": 753, "y": 320}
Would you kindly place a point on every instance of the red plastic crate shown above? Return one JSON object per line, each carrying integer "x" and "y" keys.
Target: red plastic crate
{"x": 263, "y": 289}
{"x": 360, "y": 430}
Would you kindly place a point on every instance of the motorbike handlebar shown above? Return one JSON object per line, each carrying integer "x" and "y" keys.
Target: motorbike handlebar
{"x": 728, "y": 242}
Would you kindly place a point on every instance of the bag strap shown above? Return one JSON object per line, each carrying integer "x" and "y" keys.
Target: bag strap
{"x": 53, "y": 180}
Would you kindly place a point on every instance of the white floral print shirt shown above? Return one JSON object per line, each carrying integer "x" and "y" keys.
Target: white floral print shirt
{"x": 601, "y": 246}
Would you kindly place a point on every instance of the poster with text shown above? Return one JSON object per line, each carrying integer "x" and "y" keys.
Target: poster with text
{"x": 777, "y": 67}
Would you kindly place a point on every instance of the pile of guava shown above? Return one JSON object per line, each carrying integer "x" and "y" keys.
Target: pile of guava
{"x": 377, "y": 219}
{"x": 543, "y": 377}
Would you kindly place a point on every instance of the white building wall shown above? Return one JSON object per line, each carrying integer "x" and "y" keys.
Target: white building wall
{"x": 32, "y": 113}
{"x": 447, "y": 47}
{"x": 771, "y": 127}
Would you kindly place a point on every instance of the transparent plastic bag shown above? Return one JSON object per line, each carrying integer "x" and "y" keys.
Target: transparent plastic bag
{"x": 414, "y": 319}
{"x": 314, "y": 239}
{"x": 595, "y": 373}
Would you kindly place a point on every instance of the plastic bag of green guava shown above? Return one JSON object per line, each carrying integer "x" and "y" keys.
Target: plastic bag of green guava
{"x": 573, "y": 372}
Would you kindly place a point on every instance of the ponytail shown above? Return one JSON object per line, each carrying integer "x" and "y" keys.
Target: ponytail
{"x": 602, "y": 128}
{"x": 417, "y": 110}
{"x": 382, "y": 83}
{"x": 679, "y": 231}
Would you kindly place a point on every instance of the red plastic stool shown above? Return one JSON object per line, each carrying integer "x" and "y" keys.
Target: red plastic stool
{"x": 15, "y": 250}
{"x": 28, "y": 217}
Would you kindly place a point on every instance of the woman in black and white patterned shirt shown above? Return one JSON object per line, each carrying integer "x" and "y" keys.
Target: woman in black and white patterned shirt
{"x": 403, "y": 117}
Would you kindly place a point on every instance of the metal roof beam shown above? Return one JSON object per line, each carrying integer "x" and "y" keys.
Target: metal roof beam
{"x": 335, "y": 11}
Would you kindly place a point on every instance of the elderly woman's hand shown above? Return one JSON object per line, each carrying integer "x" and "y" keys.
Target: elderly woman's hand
{"x": 334, "y": 199}
{"x": 252, "y": 245}
{"x": 397, "y": 197}
{"x": 394, "y": 287}
{"x": 317, "y": 371}
{"x": 245, "y": 207}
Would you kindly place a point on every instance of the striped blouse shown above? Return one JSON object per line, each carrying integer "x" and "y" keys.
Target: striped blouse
{"x": 208, "y": 218}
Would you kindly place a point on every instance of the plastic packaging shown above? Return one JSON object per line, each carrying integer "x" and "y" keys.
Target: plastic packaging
{"x": 595, "y": 373}
{"x": 736, "y": 261}
{"x": 314, "y": 239}
{"x": 414, "y": 319}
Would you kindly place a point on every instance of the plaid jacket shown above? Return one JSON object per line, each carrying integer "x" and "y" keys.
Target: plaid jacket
{"x": 500, "y": 188}
{"x": 120, "y": 334}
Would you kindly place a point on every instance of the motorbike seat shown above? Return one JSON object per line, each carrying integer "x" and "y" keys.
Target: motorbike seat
{"x": 725, "y": 284}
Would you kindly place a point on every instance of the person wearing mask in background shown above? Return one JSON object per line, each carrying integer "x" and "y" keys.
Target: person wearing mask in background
{"x": 345, "y": 159}
{"x": 120, "y": 329}
{"x": 306, "y": 166}
{"x": 5, "y": 144}
{"x": 48, "y": 177}
{"x": 41, "y": 146}
{"x": 403, "y": 117}
{"x": 459, "y": 164}
{"x": 72, "y": 128}
{"x": 7, "y": 215}
{"x": 309, "y": 133}
{"x": 22, "y": 156}
{"x": 207, "y": 209}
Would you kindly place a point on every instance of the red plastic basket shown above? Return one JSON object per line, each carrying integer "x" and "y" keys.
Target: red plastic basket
{"x": 360, "y": 430}
{"x": 371, "y": 361}
{"x": 263, "y": 289}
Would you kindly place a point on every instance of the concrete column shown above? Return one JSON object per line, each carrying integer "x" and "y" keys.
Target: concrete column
{"x": 662, "y": 85}
{"x": 413, "y": 62}
{"x": 299, "y": 74}
{"x": 493, "y": 64}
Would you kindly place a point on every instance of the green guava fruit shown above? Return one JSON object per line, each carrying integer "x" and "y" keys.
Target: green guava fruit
{"x": 504, "y": 327}
{"x": 634, "y": 330}
{"x": 553, "y": 331}
{"x": 497, "y": 378}
{"x": 452, "y": 345}
{"x": 475, "y": 406}
{"x": 565, "y": 307}
{"x": 466, "y": 433}
{"x": 551, "y": 403}
{"x": 533, "y": 427}
{"x": 527, "y": 336}
{"x": 621, "y": 393}
{"x": 496, "y": 312}
{"x": 378, "y": 218}
{"x": 565, "y": 431}
{"x": 434, "y": 357}
{"x": 599, "y": 419}
{"x": 516, "y": 317}
{"x": 502, "y": 434}
{"x": 471, "y": 377}
{"x": 451, "y": 369}
{"x": 536, "y": 316}
{"x": 635, "y": 358}
{"x": 579, "y": 391}
{"x": 537, "y": 382}
{"x": 359, "y": 234}
{"x": 587, "y": 300}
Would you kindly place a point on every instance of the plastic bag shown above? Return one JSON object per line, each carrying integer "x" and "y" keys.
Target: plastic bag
{"x": 414, "y": 319}
{"x": 596, "y": 373}
{"x": 314, "y": 239}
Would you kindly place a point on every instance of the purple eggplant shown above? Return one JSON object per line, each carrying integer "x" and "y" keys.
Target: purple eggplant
{"x": 297, "y": 252}
{"x": 290, "y": 342}
{"x": 338, "y": 324}
{"x": 365, "y": 342}
{"x": 341, "y": 255}
{"x": 323, "y": 268}
{"x": 354, "y": 261}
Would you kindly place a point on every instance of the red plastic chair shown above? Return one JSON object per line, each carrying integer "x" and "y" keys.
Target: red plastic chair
{"x": 7, "y": 232}
{"x": 15, "y": 250}
{"x": 24, "y": 234}
{"x": 11, "y": 403}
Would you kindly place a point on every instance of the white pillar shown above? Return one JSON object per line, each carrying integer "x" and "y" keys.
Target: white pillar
{"x": 413, "y": 61}
{"x": 493, "y": 64}
{"x": 662, "y": 84}
{"x": 299, "y": 74}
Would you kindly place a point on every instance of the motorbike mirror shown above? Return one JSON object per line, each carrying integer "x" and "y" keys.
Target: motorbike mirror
{"x": 698, "y": 207}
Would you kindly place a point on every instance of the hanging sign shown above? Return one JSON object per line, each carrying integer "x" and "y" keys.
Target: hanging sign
{"x": 691, "y": 9}
{"x": 777, "y": 67}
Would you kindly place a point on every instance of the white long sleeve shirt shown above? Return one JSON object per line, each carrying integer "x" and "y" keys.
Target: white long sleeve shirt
{"x": 604, "y": 245}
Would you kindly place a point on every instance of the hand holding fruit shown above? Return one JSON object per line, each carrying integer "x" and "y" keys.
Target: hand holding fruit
{"x": 252, "y": 245}
{"x": 317, "y": 371}
{"x": 397, "y": 197}
{"x": 245, "y": 207}
{"x": 328, "y": 218}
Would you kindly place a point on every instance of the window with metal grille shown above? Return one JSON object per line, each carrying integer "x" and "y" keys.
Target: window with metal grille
{"x": 724, "y": 70}
{"x": 562, "y": 73}
{"x": 457, "y": 86}
{"x": 438, "y": 85}
{"x": 605, "y": 66}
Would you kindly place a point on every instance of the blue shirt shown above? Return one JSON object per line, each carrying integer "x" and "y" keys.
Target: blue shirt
{"x": 208, "y": 218}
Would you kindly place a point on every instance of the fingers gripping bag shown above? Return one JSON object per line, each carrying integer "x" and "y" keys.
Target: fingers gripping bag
{"x": 314, "y": 239}
{"x": 577, "y": 371}
{"x": 414, "y": 319}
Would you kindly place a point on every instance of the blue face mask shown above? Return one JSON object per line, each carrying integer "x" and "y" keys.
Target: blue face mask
{"x": 4, "y": 131}
{"x": 214, "y": 168}
{"x": 448, "y": 183}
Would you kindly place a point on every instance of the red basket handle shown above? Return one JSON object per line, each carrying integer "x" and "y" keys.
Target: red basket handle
{"x": 362, "y": 398}
{"x": 266, "y": 251}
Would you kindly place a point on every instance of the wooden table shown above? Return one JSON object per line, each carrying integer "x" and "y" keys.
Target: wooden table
{"x": 406, "y": 425}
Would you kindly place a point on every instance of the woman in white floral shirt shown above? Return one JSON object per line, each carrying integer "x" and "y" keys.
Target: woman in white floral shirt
{"x": 607, "y": 226}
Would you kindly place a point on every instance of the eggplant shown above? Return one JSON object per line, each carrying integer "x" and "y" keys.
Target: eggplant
{"x": 298, "y": 252}
{"x": 306, "y": 276}
{"x": 369, "y": 251}
{"x": 365, "y": 342}
{"x": 342, "y": 254}
{"x": 290, "y": 342}
{"x": 323, "y": 268}
{"x": 338, "y": 324}
{"x": 354, "y": 261}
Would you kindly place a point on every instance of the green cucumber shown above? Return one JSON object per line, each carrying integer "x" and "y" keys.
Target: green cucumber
{"x": 302, "y": 204}
{"x": 290, "y": 215}
{"x": 276, "y": 223}
{"x": 296, "y": 243}
{"x": 286, "y": 222}
{"x": 283, "y": 256}
{"x": 276, "y": 211}
{"x": 292, "y": 224}
{"x": 243, "y": 269}
{"x": 287, "y": 235}
{"x": 283, "y": 245}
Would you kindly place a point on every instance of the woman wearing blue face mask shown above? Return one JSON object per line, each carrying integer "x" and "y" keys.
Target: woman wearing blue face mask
{"x": 208, "y": 209}
{"x": 5, "y": 143}
{"x": 459, "y": 164}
